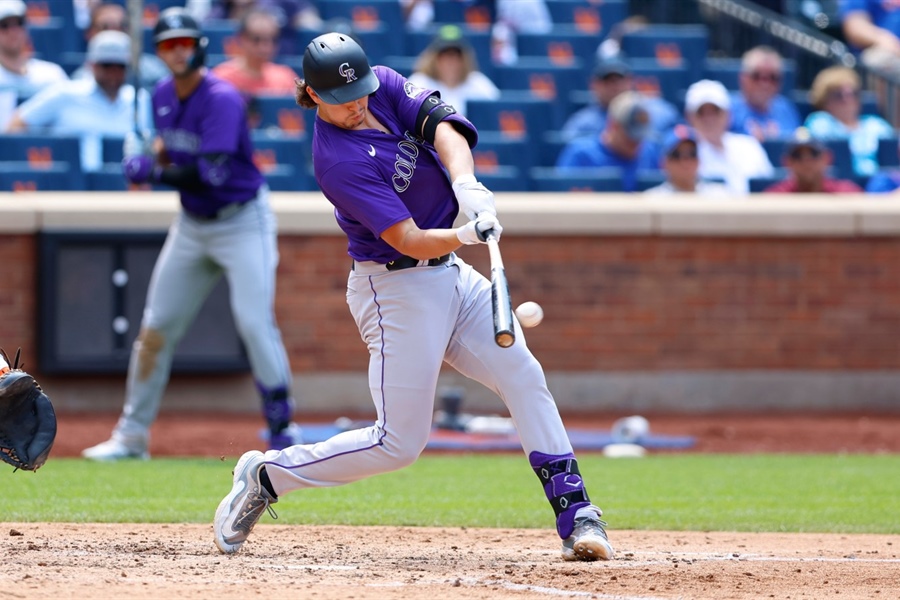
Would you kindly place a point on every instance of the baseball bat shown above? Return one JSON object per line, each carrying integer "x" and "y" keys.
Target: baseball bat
{"x": 504, "y": 331}
{"x": 135, "y": 9}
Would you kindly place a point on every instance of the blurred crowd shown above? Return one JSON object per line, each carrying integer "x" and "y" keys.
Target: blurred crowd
{"x": 712, "y": 137}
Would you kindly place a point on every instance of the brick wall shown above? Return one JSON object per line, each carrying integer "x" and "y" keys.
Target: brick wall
{"x": 629, "y": 303}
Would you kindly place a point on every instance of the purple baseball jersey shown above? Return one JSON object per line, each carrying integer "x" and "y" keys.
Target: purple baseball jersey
{"x": 375, "y": 180}
{"x": 212, "y": 120}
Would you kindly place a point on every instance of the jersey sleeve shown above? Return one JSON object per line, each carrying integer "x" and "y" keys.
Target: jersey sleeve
{"x": 42, "y": 109}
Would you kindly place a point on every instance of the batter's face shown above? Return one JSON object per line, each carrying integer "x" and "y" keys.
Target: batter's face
{"x": 350, "y": 115}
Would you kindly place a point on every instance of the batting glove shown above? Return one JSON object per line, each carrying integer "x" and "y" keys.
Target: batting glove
{"x": 473, "y": 231}
{"x": 140, "y": 169}
{"x": 473, "y": 197}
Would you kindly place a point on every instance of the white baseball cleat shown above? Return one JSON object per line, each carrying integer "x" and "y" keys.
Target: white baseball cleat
{"x": 114, "y": 449}
{"x": 241, "y": 509}
{"x": 588, "y": 540}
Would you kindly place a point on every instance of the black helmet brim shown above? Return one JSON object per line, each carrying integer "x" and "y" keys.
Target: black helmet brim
{"x": 171, "y": 34}
{"x": 368, "y": 84}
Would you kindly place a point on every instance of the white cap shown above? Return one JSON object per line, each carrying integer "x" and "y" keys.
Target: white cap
{"x": 706, "y": 91}
{"x": 109, "y": 47}
{"x": 12, "y": 8}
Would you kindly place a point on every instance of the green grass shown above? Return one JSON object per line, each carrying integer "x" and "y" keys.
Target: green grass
{"x": 812, "y": 493}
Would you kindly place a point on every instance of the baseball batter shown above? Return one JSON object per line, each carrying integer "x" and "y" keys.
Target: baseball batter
{"x": 225, "y": 228}
{"x": 385, "y": 153}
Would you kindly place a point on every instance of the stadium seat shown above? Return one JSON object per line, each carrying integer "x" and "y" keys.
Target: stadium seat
{"x": 544, "y": 80}
{"x": 552, "y": 143}
{"x": 281, "y": 112}
{"x": 494, "y": 151}
{"x": 549, "y": 179}
{"x": 503, "y": 179}
{"x": 597, "y": 18}
{"x": 516, "y": 114}
{"x": 670, "y": 45}
{"x": 52, "y": 37}
{"x": 654, "y": 79}
{"x": 113, "y": 149}
{"x": 728, "y": 70}
{"x": 108, "y": 179}
{"x": 39, "y": 149}
{"x": 563, "y": 46}
{"x": 888, "y": 152}
{"x": 366, "y": 14}
{"x": 22, "y": 176}
{"x": 222, "y": 34}
{"x": 272, "y": 148}
{"x": 758, "y": 184}
{"x": 649, "y": 179}
{"x": 474, "y": 15}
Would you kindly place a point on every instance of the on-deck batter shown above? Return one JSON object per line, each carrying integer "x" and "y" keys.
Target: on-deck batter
{"x": 225, "y": 227}
{"x": 382, "y": 152}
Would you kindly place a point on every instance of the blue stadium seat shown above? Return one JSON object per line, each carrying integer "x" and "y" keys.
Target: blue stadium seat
{"x": 516, "y": 114}
{"x": 113, "y": 149}
{"x": 649, "y": 179}
{"x": 670, "y": 45}
{"x": 563, "y": 45}
{"x": 56, "y": 176}
{"x": 597, "y": 18}
{"x": 222, "y": 34}
{"x": 285, "y": 178}
{"x": 494, "y": 150}
{"x": 654, "y": 79}
{"x": 401, "y": 63}
{"x": 277, "y": 149}
{"x": 888, "y": 152}
{"x": 503, "y": 179}
{"x": 552, "y": 143}
{"x": 40, "y": 149}
{"x": 366, "y": 14}
{"x": 758, "y": 184}
{"x": 281, "y": 113}
{"x": 549, "y": 179}
{"x": 108, "y": 179}
{"x": 51, "y": 38}
{"x": 728, "y": 70}
{"x": 545, "y": 80}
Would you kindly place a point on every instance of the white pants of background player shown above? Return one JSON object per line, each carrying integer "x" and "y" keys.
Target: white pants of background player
{"x": 242, "y": 247}
{"x": 412, "y": 321}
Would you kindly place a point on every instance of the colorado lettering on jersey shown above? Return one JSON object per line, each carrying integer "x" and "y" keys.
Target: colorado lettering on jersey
{"x": 181, "y": 140}
{"x": 405, "y": 165}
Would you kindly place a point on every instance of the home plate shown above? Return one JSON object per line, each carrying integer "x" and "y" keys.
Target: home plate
{"x": 623, "y": 451}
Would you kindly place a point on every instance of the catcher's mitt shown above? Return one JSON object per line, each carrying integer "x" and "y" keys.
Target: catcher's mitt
{"x": 27, "y": 420}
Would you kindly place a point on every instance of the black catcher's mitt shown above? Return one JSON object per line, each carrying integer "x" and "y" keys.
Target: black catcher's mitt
{"x": 27, "y": 420}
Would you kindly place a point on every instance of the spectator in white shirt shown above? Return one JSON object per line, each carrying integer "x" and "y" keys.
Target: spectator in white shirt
{"x": 449, "y": 66}
{"x": 681, "y": 165}
{"x": 21, "y": 75}
{"x": 734, "y": 158}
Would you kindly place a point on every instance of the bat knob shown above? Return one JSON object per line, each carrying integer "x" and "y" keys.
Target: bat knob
{"x": 505, "y": 340}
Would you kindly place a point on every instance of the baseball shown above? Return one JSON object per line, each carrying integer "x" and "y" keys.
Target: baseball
{"x": 530, "y": 314}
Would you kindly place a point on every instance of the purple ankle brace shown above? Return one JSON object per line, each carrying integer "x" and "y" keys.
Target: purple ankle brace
{"x": 563, "y": 486}
{"x": 278, "y": 407}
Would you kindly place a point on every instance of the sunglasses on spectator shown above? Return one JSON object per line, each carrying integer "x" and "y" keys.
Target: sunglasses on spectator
{"x": 111, "y": 26}
{"x": 261, "y": 39}
{"x": 172, "y": 43}
{"x": 765, "y": 76}
{"x": 111, "y": 66}
{"x": 843, "y": 95}
{"x": 12, "y": 22}
{"x": 800, "y": 153}
{"x": 683, "y": 154}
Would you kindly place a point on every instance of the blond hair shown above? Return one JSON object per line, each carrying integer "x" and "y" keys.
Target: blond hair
{"x": 427, "y": 62}
{"x": 829, "y": 80}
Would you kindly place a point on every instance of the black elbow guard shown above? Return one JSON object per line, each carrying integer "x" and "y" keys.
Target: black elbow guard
{"x": 431, "y": 113}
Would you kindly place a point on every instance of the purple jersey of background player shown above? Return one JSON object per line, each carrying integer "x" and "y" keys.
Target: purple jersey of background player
{"x": 375, "y": 180}
{"x": 212, "y": 120}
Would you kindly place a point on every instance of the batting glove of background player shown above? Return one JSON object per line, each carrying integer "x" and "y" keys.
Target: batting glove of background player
{"x": 140, "y": 169}
{"x": 473, "y": 231}
{"x": 473, "y": 197}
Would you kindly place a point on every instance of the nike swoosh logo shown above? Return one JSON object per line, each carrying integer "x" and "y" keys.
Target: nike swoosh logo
{"x": 371, "y": 150}
{"x": 164, "y": 110}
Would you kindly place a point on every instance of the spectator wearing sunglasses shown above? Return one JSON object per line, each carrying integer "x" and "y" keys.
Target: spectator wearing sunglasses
{"x": 835, "y": 94}
{"x": 759, "y": 109}
{"x": 89, "y": 109}
{"x": 681, "y": 165}
{"x": 21, "y": 75}
{"x": 109, "y": 16}
{"x": 808, "y": 160}
{"x": 734, "y": 158}
{"x": 253, "y": 71}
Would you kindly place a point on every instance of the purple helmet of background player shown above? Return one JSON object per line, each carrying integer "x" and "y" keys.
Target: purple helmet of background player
{"x": 176, "y": 22}
{"x": 336, "y": 67}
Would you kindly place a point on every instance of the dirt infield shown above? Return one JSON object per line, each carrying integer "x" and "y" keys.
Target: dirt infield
{"x": 139, "y": 562}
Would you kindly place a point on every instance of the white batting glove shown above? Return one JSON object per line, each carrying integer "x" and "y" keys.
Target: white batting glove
{"x": 473, "y": 231}
{"x": 473, "y": 197}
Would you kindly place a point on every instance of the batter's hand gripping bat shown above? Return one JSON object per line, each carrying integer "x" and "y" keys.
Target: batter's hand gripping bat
{"x": 504, "y": 330}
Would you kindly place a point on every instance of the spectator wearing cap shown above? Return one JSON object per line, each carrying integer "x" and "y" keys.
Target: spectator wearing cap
{"x": 734, "y": 158}
{"x": 759, "y": 109}
{"x": 21, "y": 75}
{"x": 253, "y": 71}
{"x": 681, "y": 165}
{"x": 110, "y": 16}
{"x": 449, "y": 66}
{"x": 622, "y": 143}
{"x": 89, "y": 109}
{"x": 835, "y": 94}
{"x": 610, "y": 77}
{"x": 808, "y": 160}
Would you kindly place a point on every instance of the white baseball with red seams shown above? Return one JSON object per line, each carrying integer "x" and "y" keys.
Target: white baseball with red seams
{"x": 530, "y": 314}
